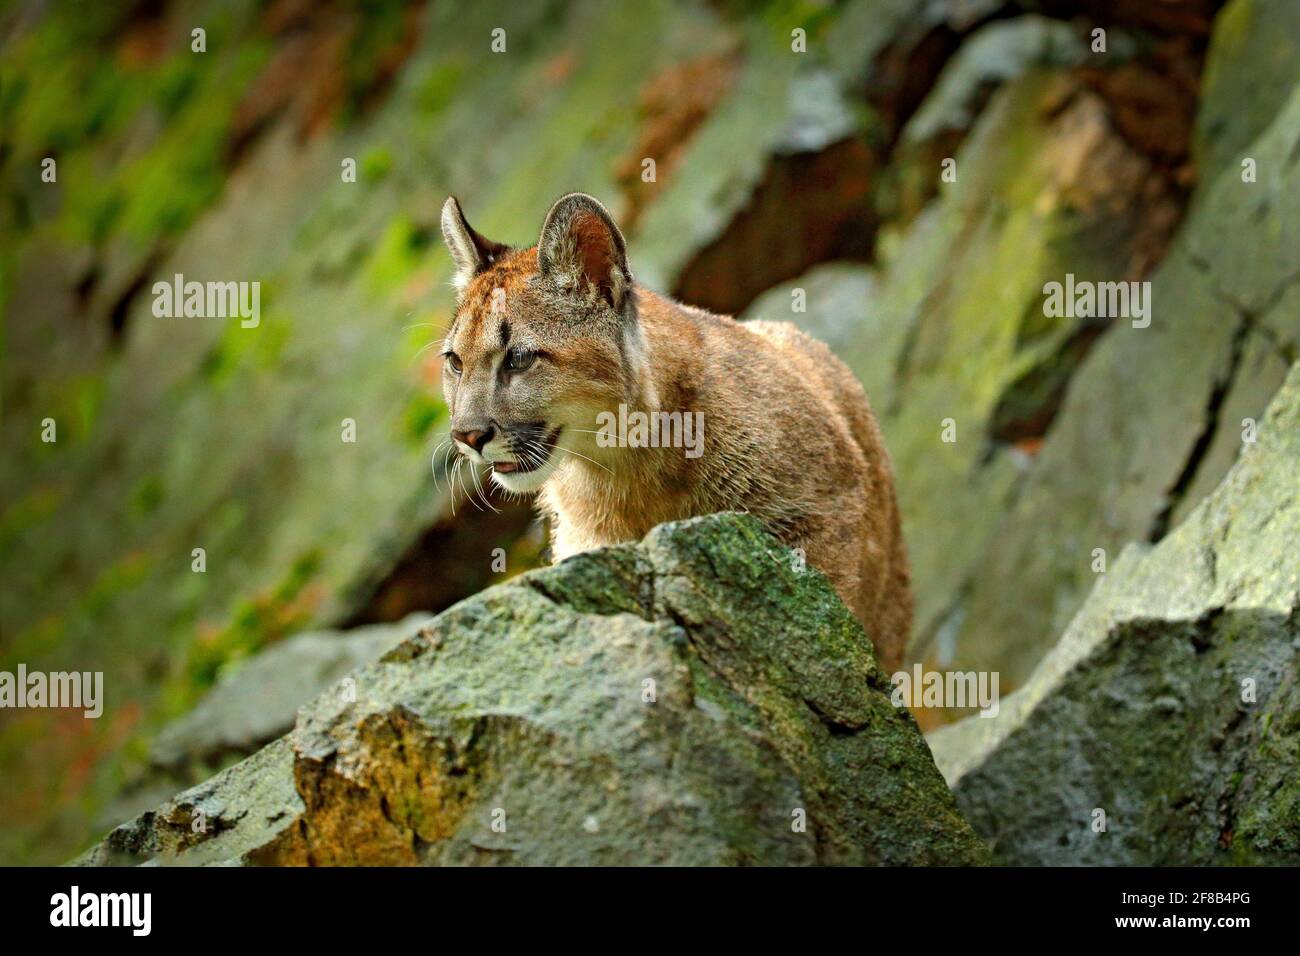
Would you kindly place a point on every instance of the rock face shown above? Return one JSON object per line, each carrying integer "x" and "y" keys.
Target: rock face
{"x": 967, "y": 278}
{"x": 688, "y": 700}
{"x": 1070, "y": 434}
{"x": 1171, "y": 703}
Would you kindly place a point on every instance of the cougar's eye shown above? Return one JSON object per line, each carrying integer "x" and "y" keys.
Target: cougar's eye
{"x": 454, "y": 361}
{"x": 518, "y": 359}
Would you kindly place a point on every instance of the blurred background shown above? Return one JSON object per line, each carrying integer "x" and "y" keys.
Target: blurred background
{"x": 795, "y": 146}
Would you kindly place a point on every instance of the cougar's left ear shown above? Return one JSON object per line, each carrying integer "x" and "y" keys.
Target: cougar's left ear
{"x": 469, "y": 251}
{"x": 582, "y": 252}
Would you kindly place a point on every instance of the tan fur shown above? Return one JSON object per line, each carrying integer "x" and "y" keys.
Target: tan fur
{"x": 789, "y": 435}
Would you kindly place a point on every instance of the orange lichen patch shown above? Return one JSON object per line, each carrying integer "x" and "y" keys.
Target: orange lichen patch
{"x": 107, "y": 737}
{"x": 144, "y": 41}
{"x": 206, "y": 633}
{"x": 61, "y": 747}
{"x": 400, "y": 786}
{"x": 673, "y": 103}
{"x": 284, "y": 616}
{"x": 558, "y": 68}
{"x": 1030, "y": 446}
{"x": 308, "y": 74}
{"x": 1152, "y": 104}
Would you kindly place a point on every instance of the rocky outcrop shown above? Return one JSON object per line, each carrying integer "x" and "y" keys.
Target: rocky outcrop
{"x": 698, "y": 698}
{"x": 1169, "y": 712}
{"x": 1152, "y": 418}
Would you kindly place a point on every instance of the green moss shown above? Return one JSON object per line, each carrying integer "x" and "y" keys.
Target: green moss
{"x": 255, "y": 623}
{"x": 1250, "y": 70}
{"x": 142, "y": 148}
{"x": 29, "y": 512}
{"x": 381, "y": 27}
{"x": 398, "y": 253}
{"x": 147, "y": 495}
{"x": 42, "y": 638}
{"x": 423, "y": 413}
{"x": 439, "y": 88}
{"x": 376, "y": 163}
{"x": 243, "y": 350}
{"x": 124, "y": 575}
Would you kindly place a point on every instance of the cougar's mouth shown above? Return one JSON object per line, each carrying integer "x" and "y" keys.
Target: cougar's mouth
{"x": 532, "y": 449}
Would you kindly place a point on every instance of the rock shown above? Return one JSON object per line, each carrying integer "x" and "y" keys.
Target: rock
{"x": 966, "y": 279}
{"x": 833, "y": 292}
{"x": 1249, "y": 75}
{"x": 1171, "y": 702}
{"x": 254, "y": 703}
{"x": 685, "y": 700}
{"x": 998, "y": 52}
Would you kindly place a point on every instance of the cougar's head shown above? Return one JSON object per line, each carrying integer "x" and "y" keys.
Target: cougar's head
{"x": 543, "y": 340}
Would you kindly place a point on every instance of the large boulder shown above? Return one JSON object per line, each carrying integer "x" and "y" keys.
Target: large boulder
{"x": 253, "y": 702}
{"x": 1170, "y": 709}
{"x": 698, "y": 698}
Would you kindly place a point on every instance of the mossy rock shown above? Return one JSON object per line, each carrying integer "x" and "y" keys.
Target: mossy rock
{"x": 698, "y": 698}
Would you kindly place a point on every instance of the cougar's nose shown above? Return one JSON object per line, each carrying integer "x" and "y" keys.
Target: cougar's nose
{"x": 475, "y": 439}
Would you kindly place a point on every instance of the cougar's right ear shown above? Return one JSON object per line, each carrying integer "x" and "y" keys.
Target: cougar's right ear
{"x": 582, "y": 252}
{"x": 469, "y": 251}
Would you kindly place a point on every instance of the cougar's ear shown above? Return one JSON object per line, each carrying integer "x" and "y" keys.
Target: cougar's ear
{"x": 469, "y": 251}
{"x": 582, "y": 252}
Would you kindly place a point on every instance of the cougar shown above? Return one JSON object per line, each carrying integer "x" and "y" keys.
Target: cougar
{"x": 558, "y": 364}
